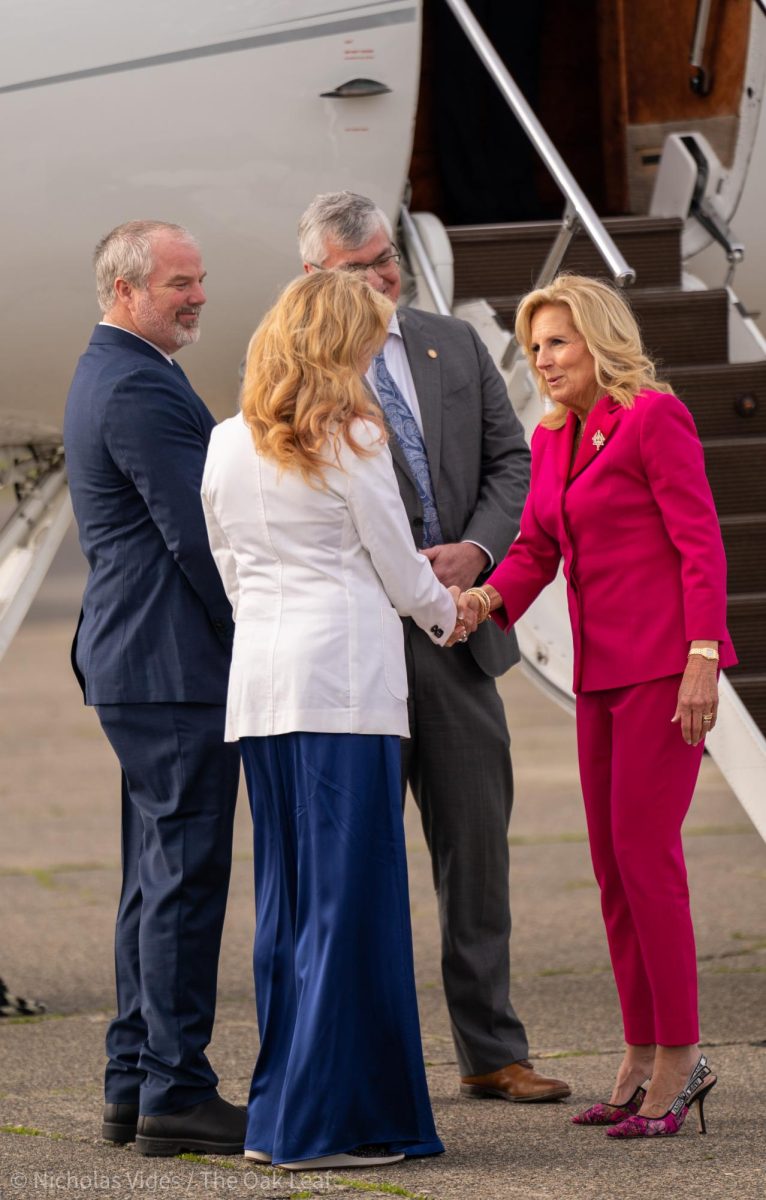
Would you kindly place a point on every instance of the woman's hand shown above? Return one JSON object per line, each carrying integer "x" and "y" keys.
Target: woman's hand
{"x": 697, "y": 699}
{"x": 468, "y": 609}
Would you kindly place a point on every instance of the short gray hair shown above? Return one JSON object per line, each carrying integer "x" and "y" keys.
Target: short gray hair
{"x": 346, "y": 218}
{"x": 127, "y": 252}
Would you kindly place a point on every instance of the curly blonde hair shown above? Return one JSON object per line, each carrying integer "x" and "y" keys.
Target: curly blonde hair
{"x": 303, "y": 385}
{"x": 606, "y": 323}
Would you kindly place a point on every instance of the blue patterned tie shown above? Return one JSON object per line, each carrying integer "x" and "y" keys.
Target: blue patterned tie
{"x": 404, "y": 426}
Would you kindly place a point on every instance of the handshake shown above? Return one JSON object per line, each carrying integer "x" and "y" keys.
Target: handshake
{"x": 473, "y": 606}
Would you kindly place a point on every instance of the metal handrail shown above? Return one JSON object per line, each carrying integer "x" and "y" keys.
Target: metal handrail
{"x": 416, "y": 247}
{"x": 25, "y": 517}
{"x": 579, "y": 210}
{"x": 700, "y": 81}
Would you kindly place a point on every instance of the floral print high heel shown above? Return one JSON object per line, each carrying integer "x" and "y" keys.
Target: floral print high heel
{"x": 700, "y": 1082}
{"x": 610, "y": 1114}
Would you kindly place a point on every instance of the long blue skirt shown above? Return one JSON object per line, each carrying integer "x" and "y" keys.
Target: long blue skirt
{"x": 340, "y": 1063}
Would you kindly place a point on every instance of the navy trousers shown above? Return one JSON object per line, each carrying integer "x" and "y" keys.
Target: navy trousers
{"x": 179, "y": 791}
{"x": 340, "y": 1062}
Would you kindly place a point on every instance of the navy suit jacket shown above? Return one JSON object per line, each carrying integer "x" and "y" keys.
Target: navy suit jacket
{"x": 156, "y": 625}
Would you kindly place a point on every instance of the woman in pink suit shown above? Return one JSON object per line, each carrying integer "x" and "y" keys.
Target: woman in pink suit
{"x": 619, "y": 492}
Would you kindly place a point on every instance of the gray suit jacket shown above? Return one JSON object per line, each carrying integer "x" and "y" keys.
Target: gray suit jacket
{"x": 476, "y": 450}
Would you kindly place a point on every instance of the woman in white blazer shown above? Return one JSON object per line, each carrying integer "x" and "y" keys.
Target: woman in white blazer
{"x": 310, "y": 536}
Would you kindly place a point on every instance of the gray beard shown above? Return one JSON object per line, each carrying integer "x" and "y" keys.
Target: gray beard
{"x": 184, "y": 336}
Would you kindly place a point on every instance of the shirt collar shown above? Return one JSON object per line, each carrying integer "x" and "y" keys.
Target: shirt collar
{"x": 393, "y": 325}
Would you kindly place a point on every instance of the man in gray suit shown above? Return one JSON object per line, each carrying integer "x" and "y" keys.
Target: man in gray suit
{"x": 463, "y": 471}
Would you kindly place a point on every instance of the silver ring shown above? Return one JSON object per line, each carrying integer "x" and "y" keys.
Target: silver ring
{"x": 463, "y": 637}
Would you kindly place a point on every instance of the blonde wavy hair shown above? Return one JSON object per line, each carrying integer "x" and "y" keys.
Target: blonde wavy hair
{"x": 609, "y": 329}
{"x": 303, "y": 385}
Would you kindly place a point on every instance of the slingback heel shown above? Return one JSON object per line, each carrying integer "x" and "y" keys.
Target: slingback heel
{"x": 700, "y": 1082}
{"x": 610, "y": 1114}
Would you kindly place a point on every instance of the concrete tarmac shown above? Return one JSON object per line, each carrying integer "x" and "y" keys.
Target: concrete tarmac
{"x": 59, "y": 883}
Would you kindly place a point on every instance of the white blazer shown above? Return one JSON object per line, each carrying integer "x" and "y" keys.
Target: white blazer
{"x": 312, "y": 575}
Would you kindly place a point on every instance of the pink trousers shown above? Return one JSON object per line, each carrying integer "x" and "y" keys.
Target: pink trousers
{"x": 638, "y": 776}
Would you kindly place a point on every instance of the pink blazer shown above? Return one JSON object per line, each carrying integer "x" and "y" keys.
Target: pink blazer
{"x": 638, "y": 531}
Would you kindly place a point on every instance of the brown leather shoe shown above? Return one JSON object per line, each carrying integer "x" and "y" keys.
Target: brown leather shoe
{"x": 519, "y": 1083}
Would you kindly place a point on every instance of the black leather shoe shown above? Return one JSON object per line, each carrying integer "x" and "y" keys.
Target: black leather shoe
{"x": 119, "y": 1123}
{"x": 213, "y": 1127}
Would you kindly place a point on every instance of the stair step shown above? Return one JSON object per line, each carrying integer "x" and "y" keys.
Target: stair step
{"x": 744, "y": 540}
{"x": 746, "y": 618}
{"x": 714, "y": 394}
{"x": 683, "y": 327}
{"x": 506, "y": 259}
{"x": 751, "y": 690}
{"x": 676, "y": 326}
{"x": 737, "y": 473}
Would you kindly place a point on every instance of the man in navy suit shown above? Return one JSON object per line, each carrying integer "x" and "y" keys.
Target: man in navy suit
{"x": 152, "y": 653}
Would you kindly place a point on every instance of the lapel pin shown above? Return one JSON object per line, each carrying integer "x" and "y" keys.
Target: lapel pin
{"x": 432, "y": 353}
{"x": 598, "y": 439}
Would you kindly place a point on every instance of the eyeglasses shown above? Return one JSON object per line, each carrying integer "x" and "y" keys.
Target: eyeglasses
{"x": 381, "y": 266}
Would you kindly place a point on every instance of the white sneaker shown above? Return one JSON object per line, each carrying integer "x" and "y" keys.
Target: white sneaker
{"x": 360, "y": 1156}
{"x": 258, "y": 1156}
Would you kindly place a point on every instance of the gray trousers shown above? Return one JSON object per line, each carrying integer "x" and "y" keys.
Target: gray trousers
{"x": 458, "y": 764}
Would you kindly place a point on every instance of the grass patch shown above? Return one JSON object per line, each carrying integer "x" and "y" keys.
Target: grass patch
{"x": 718, "y": 830}
{"x": 220, "y": 1165}
{"x": 30, "y": 1131}
{"x": 577, "y": 837}
{"x": 581, "y": 972}
{"x": 736, "y": 971}
{"x": 29, "y": 1020}
{"x": 546, "y": 839}
{"x": 387, "y": 1189}
{"x": 44, "y": 875}
{"x": 573, "y": 1053}
{"x": 756, "y": 941}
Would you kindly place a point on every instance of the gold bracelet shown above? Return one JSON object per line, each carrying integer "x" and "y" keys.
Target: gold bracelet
{"x": 708, "y": 652}
{"x": 483, "y": 597}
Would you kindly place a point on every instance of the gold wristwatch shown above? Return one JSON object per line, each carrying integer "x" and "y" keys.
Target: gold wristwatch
{"x": 706, "y": 652}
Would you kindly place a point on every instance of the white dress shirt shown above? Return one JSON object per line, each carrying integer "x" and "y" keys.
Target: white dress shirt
{"x": 395, "y": 356}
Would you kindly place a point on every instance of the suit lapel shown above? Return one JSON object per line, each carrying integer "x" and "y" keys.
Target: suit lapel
{"x": 427, "y": 378}
{"x": 600, "y": 425}
{"x": 182, "y": 378}
{"x": 564, "y": 448}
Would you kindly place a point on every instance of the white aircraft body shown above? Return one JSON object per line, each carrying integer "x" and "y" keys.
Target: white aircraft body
{"x": 218, "y": 116}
